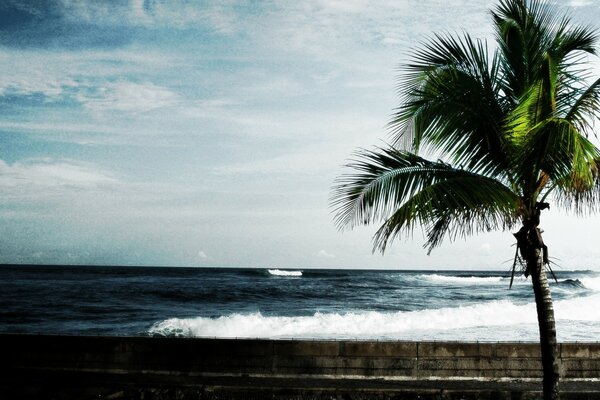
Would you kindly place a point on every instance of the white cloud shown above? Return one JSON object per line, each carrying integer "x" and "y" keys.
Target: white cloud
{"x": 325, "y": 254}
{"x": 202, "y": 255}
{"x": 172, "y": 13}
{"x": 23, "y": 76}
{"x": 52, "y": 173}
{"x": 345, "y": 6}
{"x": 128, "y": 97}
{"x": 486, "y": 247}
{"x": 299, "y": 163}
{"x": 96, "y": 79}
{"x": 580, "y": 3}
{"x": 54, "y": 128}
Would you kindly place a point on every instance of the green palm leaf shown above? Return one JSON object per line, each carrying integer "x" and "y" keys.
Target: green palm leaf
{"x": 556, "y": 148}
{"x": 405, "y": 190}
{"x": 451, "y": 105}
{"x": 585, "y": 108}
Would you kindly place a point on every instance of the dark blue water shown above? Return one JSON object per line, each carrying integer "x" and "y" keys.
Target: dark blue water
{"x": 309, "y": 303}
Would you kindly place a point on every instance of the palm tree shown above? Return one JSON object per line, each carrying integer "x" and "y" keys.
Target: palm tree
{"x": 508, "y": 128}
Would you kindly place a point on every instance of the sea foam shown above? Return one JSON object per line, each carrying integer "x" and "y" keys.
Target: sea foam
{"x": 592, "y": 283}
{"x": 280, "y": 272}
{"x": 462, "y": 280}
{"x": 519, "y": 279}
{"x": 488, "y": 321}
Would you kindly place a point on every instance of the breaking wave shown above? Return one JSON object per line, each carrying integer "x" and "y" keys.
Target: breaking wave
{"x": 284, "y": 272}
{"x": 491, "y": 321}
{"x": 463, "y": 280}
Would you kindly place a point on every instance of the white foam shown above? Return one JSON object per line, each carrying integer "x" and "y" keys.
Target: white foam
{"x": 578, "y": 309}
{"x": 494, "y": 320}
{"x": 280, "y": 272}
{"x": 591, "y": 283}
{"x": 463, "y": 280}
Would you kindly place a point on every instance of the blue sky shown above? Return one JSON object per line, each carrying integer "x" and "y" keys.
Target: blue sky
{"x": 209, "y": 133}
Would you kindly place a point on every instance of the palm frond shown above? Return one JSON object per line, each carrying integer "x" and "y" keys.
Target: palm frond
{"x": 580, "y": 201}
{"x": 461, "y": 205}
{"x": 451, "y": 104}
{"x": 523, "y": 34}
{"x": 585, "y": 108}
{"x": 556, "y": 148}
{"x": 569, "y": 51}
{"x": 569, "y": 40}
{"x": 527, "y": 33}
{"x": 404, "y": 191}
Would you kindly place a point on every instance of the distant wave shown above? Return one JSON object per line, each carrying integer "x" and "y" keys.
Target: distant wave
{"x": 572, "y": 283}
{"x": 493, "y": 320}
{"x": 463, "y": 280}
{"x": 592, "y": 283}
{"x": 282, "y": 272}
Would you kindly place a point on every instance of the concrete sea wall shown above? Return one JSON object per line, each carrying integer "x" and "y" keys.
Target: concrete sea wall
{"x": 127, "y": 367}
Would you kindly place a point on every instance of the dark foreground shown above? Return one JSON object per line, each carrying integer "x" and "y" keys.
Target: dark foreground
{"x": 77, "y": 367}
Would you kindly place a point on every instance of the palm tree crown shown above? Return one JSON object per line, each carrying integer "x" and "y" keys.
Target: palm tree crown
{"x": 509, "y": 125}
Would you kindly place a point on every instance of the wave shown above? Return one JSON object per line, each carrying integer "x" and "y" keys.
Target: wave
{"x": 463, "y": 280}
{"x": 494, "y": 320}
{"x": 592, "y": 283}
{"x": 571, "y": 283}
{"x": 283, "y": 272}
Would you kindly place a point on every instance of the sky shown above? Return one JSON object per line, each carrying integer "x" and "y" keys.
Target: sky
{"x": 210, "y": 133}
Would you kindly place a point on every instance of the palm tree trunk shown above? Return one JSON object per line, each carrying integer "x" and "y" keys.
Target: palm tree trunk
{"x": 545, "y": 314}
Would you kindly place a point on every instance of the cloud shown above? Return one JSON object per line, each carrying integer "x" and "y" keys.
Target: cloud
{"x": 202, "y": 255}
{"x": 148, "y": 13}
{"x": 30, "y": 73}
{"x": 298, "y": 163}
{"x": 74, "y": 98}
{"x": 37, "y": 83}
{"x": 52, "y": 173}
{"x": 77, "y": 24}
{"x": 128, "y": 97}
{"x": 580, "y": 3}
{"x": 327, "y": 28}
{"x": 325, "y": 254}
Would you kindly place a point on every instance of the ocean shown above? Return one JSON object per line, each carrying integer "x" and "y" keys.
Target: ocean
{"x": 299, "y": 304}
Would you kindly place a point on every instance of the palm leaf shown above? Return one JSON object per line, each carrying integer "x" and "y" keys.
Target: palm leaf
{"x": 523, "y": 34}
{"x": 555, "y": 148}
{"x": 404, "y": 190}
{"x": 461, "y": 205}
{"x": 451, "y": 105}
{"x": 527, "y": 33}
{"x": 585, "y": 108}
{"x": 570, "y": 40}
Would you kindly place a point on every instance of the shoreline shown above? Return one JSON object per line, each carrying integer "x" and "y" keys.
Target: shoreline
{"x": 80, "y": 367}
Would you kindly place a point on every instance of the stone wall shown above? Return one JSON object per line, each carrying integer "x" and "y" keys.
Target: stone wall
{"x": 174, "y": 361}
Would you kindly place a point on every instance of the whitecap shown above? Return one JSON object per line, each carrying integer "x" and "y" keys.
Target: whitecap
{"x": 462, "y": 280}
{"x": 591, "y": 282}
{"x": 284, "y": 272}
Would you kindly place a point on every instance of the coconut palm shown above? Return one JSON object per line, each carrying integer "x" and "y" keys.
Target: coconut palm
{"x": 507, "y": 129}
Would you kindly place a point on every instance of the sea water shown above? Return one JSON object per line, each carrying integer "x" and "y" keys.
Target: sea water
{"x": 298, "y": 303}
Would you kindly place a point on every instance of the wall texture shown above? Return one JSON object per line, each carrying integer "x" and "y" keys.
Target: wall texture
{"x": 39, "y": 363}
